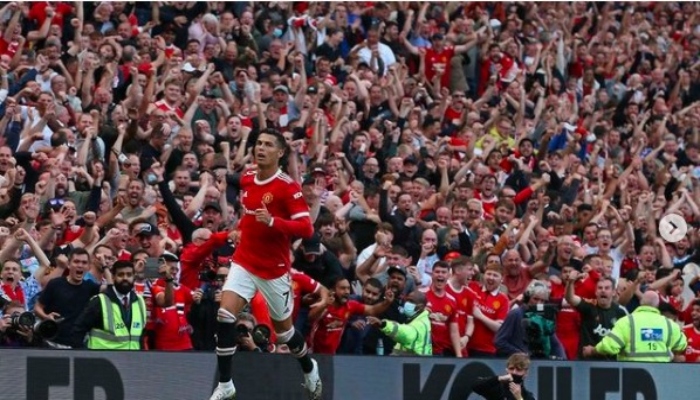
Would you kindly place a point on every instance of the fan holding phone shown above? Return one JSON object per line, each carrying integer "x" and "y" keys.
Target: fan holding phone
{"x": 510, "y": 386}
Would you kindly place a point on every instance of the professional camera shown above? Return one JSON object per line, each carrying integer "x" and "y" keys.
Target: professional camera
{"x": 25, "y": 319}
{"x": 46, "y": 329}
{"x": 539, "y": 324}
{"x": 260, "y": 334}
{"x": 207, "y": 275}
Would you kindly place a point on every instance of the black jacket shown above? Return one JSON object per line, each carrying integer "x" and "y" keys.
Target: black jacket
{"x": 91, "y": 317}
{"x": 492, "y": 389}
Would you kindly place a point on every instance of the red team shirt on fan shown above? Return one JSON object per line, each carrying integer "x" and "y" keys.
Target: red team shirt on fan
{"x": 443, "y": 312}
{"x": 172, "y": 331}
{"x": 264, "y": 250}
{"x": 465, "y": 304}
{"x": 495, "y": 306}
{"x": 301, "y": 284}
{"x": 692, "y": 352}
{"x": 329, "y": 329}
{"x": 434, "y": 59}
{"x": 163, "y": 106}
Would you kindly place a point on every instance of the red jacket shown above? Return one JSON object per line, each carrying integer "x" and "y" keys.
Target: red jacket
{"x": 193, "y": 256}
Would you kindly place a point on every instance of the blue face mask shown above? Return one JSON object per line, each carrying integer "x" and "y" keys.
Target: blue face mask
{"x": 409, "y": 309}
{"x": 277, "y": 32}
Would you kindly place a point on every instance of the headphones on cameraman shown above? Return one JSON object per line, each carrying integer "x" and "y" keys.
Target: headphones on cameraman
{"x": 534, "y": 287}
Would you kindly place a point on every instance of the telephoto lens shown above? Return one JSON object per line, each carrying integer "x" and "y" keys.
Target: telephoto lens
{"x": 25, "y": 319}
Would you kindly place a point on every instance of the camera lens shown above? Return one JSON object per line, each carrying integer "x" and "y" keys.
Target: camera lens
{"x": 26, "y": 319}
{"x": 242, "y": 329}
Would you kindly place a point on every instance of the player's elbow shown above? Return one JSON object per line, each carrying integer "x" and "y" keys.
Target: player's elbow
{"x": 308, "y": 229}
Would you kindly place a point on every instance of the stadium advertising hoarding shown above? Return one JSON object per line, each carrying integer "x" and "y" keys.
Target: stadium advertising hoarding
{"x": 91, "y": 375}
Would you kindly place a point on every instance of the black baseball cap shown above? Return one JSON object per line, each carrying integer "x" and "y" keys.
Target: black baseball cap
{"x": 212, "y": 205}
{"x": 312, "y": 245}
{"x": 168, "y": 256}
{"x": 410, "y": 160}
{"x": 392, "y": 270}
{"x": 148, "y": 230}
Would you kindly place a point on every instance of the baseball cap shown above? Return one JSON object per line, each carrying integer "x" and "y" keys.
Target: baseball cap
{"x": 451, "y": 256}
{"x": 309, "y": 180}
{"x": 410, "y": 160}
{"x": 318, "y": 170}
{"x": 212, "y": 205}
{"x": 437, "y": 36}
{"x": 312, "y": 245}
{"x": 168, "y": 256}
{"x": 148, "y": 230}
{"x": 393, "y": 269}
{"x": 312, "y": 90}
{"x": 281, "y": 88}
{"x": 188, "y": 67}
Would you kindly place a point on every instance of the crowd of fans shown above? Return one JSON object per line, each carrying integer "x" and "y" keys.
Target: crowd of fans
{"x": 466, "y": 150}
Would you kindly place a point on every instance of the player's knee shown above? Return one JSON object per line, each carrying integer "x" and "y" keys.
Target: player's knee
{"x": 285, "y": 337}
{"x": 225, "y": 316}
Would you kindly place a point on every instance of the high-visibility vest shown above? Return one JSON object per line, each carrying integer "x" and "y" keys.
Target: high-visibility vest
{"x": 645, "y": 336}
{"x": 113, "y": 334}
{"x": 412, "y": 338}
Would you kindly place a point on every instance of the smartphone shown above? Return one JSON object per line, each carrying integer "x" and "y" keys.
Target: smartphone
{"x": 517, "y": 379}
{"x": 152, "y": 267}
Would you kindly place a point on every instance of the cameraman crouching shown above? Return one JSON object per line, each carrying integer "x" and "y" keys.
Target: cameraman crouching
{"x": 529, "y": 328}
{"x": 17, "y": 327}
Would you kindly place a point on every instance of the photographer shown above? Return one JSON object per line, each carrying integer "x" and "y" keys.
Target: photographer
{"x": 248, "y": 340}
{"x": 16, "y": 330}
{"x": 510, "y": 386}
{"x": 530, "y": 328}
{"x": 202, "y": 315}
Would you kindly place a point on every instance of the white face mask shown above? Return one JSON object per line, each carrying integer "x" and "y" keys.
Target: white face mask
{"x": 409, "y": 309}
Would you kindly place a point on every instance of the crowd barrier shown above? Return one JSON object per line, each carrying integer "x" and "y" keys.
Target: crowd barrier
{"x": 90, "y": 375}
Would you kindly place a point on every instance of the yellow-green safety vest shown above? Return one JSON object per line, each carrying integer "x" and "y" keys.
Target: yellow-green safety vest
{"x": 114, "y": 334}
{"x": 645, "y": 336}
{"x": 412, "y": 338}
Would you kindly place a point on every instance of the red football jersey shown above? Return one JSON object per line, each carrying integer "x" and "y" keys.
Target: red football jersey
{"x": 586, "y": 288}
{"x": 328, "y": 330}
{"x": 265, "y": 250}
{"x": 172, "y": 331}
{"x": 443, "y": 312}
{"x": 692, "y": 352}
{"x": 163, "y": 106}
{"x": 434, "y": 60}
{"x": 494, "y": 306}
{"x": 568, "y": 329}
{"x": 465, "y": 305}
{"x": 301, "y": 284}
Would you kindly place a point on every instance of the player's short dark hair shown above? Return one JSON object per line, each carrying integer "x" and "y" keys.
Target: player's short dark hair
{"x": 281, "y": 141}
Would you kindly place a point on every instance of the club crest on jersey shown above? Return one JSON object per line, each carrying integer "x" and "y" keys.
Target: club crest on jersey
{"x": 267, "y": 198}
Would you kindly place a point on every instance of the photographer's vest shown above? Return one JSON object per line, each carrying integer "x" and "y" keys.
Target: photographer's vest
{"x": 652, "y": 337}
{"x": 114, "y": 334}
